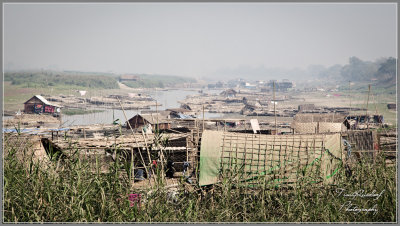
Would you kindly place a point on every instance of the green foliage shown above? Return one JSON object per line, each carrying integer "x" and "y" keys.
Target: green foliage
{"x": 382, "y": 70}
{"x": 358, "y": 70}
{"x": 144, "y": 84}
{"x": 79, "y": 111}
{"x": 386, "y": 73}
{"x": 157, "y": 81}
{"x": 50, "y": 79}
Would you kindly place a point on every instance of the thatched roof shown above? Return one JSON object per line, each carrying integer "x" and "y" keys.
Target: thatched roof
{"x": 305, "y": 107}
{"x": 185, "y": 106}
{"x": 152, "y": 118}
{"x": 228, "y": 92}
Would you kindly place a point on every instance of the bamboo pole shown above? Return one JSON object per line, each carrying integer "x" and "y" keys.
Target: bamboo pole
{"x": 132, "y": 168}
{"x": 187, "y": 150}
{"x": 161, "y": 153}
{"x": 350, "y": 103}
{"x": 148, "y": 154}
{"x": 141, "y": 156}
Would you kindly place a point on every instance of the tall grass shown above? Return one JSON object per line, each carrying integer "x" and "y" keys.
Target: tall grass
{"x": 35, "y": 191}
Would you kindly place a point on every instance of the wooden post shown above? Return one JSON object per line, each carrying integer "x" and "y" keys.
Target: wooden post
{"x": 84, "y": 133}
{"x": 198, "y": 135}
{"x": 60, "y": 118}
{"x": 203, "y": 117}
{"x": 224, "y": 125}
{"x": 349, "y": 98}
{"x": 187, "y": 150}
{"x": 276, "y": 130}
{"x": 157, "y": 117}
{"x": 366, "y": 112}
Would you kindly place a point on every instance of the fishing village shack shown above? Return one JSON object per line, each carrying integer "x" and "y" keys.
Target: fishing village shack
{"x": 319, "y": 123}
{"x": 282, "y": 86}
{"x": 185, "y": 106}
{"x": 230, "y": 93}
{"x": 179, "y": 153}
{"x": 391, "y": 106}
{"x": 38, "y": 104}
{"x": 306, "y": 107}
{"x": 364, "y": 121}
{"x": 141, "y": 120}
{"x": 180, "y": 113}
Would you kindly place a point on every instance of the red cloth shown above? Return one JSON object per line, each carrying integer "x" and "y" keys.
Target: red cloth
{"x": 49, "y": 109}
{"x": 134, "y": 199}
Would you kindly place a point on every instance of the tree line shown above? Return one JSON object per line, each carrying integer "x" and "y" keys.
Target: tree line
{"x": 158, "y": 81}
{"x": 46, "y": 79}
{"x": 382, "y": 71}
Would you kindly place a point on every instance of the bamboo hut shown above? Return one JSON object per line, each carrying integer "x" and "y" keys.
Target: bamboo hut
{"x": 251, "y": 159}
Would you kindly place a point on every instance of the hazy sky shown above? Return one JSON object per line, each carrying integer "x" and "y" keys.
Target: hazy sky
{"x": 194, "y": 39}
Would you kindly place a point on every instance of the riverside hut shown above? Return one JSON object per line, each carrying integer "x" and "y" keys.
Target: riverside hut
{"x": 38, "y": 104}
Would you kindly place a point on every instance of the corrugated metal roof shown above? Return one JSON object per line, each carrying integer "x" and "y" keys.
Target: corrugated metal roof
{"x": 43, "y": 99}
{"x": 178, "y": 110}
{"x": 46, "y": 101}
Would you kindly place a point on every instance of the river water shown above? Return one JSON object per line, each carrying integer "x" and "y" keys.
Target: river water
{"x": 168, "y": 99}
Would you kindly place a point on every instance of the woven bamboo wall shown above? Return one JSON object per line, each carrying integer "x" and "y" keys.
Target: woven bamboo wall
{"x": 305, "y": 127}
{"x": 318, "y": 127}
{"x": 330, "y": 127}
{"x": 272, "y": 158}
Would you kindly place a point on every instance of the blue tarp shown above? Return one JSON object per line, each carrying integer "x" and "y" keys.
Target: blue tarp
{"x": 14, "y": 130}
{"x": 183, "y": 116}
{"x": 60, "y": 129}
{"x": 33, "y": 131}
